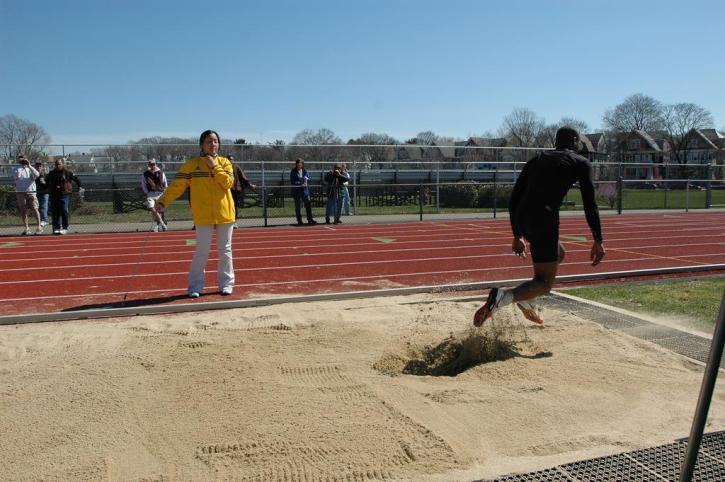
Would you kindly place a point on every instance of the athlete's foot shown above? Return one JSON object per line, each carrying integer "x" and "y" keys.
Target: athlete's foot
{"x": 493, "y": 303}
{"x": 530, "y": 312}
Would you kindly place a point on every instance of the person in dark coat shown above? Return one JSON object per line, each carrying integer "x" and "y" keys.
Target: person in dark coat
{"x": 59, "y": 182}
{"x": 240, "y": 184}
{"x": 300, "y": 181}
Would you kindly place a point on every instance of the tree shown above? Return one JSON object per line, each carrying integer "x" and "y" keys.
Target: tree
{"x": 523, "y": 127}
{"x": 24, "y": 136}
{"x": 316, "y": 139}
{"x": 636, "y": 112}
{"x": 548, "y": 136}
{"x": 375, "y": 147}
{"x": 680, "y": 121}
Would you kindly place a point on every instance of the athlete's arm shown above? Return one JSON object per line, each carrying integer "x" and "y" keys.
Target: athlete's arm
{"x": 586, "y": 186}
{"x": 515, "y": 200}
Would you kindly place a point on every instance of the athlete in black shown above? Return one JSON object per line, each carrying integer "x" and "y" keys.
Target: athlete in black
{"x": 534, "y": 213}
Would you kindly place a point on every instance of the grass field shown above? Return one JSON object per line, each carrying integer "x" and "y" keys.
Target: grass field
{"x": 697, "y": 299}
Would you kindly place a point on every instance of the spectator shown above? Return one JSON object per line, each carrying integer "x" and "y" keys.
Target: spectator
{"x": 209, "y": 179}
{"x": 345, "y": 193}
{"x": 334, "y": 180}
{"x": 240, "y": 182}
{"x": 25, "y": 175}
{"x": 41, "y": 189}
{"x": 60, "y": 186}
{"x": 300, "y": 181}
{"x": 154, "y": 184}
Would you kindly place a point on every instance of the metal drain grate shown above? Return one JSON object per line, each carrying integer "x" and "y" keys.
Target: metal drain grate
{"x": 614, "y": 468}
{"x": 550, "y": 475}
{"x": 666, "y": 460}
{"x": 683, "y": 343}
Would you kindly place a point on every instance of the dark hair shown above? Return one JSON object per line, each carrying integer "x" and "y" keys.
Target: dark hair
{"x": 567, "y": 138}
{"x": 206, "y": 134}
{"x": 299, "y": 159}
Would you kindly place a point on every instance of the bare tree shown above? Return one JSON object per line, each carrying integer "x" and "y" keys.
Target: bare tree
{"x": 22, "y": 135}
{"x": 376, "y": 147}
{"x": 548, "y": 135}
{"x": 680, "y": 121}
{"x": 316, "y": 139}
{"x": 523, "y": 127}
{"x": 636, "y": 112}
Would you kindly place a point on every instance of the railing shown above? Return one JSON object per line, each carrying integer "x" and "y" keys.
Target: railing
{"x": 414, "y": 181}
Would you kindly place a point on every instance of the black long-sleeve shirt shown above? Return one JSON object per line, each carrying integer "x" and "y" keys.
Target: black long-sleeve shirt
{"x": 542, "y": 186}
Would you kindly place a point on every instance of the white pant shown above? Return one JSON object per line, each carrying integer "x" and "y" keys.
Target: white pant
{"x": 225, "y": 271}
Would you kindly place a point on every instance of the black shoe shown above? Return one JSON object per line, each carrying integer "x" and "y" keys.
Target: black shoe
{"x": 327, "y": 220}
{"x": 337, "y": 221}
{"x": 311, "y": 222}
{"x": 300, "y": 223}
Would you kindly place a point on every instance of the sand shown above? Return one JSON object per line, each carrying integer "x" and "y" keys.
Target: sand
{"x": 330, "y": 391}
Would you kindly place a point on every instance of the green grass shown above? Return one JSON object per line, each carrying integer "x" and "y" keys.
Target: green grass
{"x": 655, "y": 199}
{"x": 697, "y": 299}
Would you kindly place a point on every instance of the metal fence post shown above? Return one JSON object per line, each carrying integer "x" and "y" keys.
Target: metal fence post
{"x": 703, "y": 401}
{"x": 708, "y": 187}
{"x": 420, "y": 201}
{"x": 620, "y": 194}
{"x": 438, "y": 188}
{"x": 264, "y": 194}
{"x": 687, "y": 196}
{"x": 495, "y": 172}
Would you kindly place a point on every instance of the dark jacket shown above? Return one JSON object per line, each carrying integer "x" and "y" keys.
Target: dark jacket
{"x": 335, "y": 183}
{"x": 541, "y": 187}
{"x": 55, "y": 179}
{"x": 240, "y": 179}
{"x": 299, "y": 189}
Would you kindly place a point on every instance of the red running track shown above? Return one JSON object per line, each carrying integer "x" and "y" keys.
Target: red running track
{"x": 48, "y": 274}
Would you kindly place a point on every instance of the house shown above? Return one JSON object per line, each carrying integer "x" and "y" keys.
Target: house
{"x": 645, "y": 154}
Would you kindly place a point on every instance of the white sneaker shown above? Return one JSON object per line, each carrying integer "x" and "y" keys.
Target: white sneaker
{"x": 227, "y": 290}
{"x": 44, "y": 223}
{"x": 56, "y": 231}
{"x": 155, "y": 229}
{"x": 193, "y": 294}
{"x": 63, "y": 231}
{"x": 39, "y": 230}
{"x": 530, "y": 312}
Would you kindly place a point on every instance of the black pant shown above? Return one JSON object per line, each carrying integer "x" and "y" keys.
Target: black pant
{"x": 308, "y": 208}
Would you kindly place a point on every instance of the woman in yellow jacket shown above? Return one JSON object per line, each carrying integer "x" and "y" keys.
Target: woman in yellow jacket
{"x": 209, "y": 178}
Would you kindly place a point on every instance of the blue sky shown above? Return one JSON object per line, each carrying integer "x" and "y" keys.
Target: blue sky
{"x": 111, "y": 71}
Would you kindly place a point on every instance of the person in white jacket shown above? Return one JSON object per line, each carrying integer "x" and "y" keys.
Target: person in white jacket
{"x": 154, "y": 184}
{"x": 24, "y": 176}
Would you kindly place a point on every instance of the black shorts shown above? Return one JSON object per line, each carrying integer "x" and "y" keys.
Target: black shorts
{"x": 543, "y": 242}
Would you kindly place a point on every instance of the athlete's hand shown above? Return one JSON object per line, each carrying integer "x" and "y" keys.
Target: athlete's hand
{"x": 519, "y": 247}
{"x": 597, "y": 253}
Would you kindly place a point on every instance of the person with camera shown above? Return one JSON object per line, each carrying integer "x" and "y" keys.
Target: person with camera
{"x": 300, "y": 181}
{"x": 60, "y": 186}
{"x": 335, "y": 180}
{"x": 153, "y": 183}
{"x": 24, "y": 176}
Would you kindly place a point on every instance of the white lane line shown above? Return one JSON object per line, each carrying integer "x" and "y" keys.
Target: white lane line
{"x": 485, "y": 243}
{"x": 370, "y": 277}
{"x": 312, "y": 267}
{"x": 345, "y": 253}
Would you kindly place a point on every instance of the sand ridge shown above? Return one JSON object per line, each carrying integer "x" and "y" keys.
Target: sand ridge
{"x": 316, "y": 391}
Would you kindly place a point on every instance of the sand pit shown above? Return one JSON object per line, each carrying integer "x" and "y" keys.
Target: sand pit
{"x": 375, "y": 389}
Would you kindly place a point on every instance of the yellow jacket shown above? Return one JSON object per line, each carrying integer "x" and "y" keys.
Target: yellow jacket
{"x": 211, "y": 198}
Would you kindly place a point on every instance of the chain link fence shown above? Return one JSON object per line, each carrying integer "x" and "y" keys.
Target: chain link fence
{"x": 410, "y": 182}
